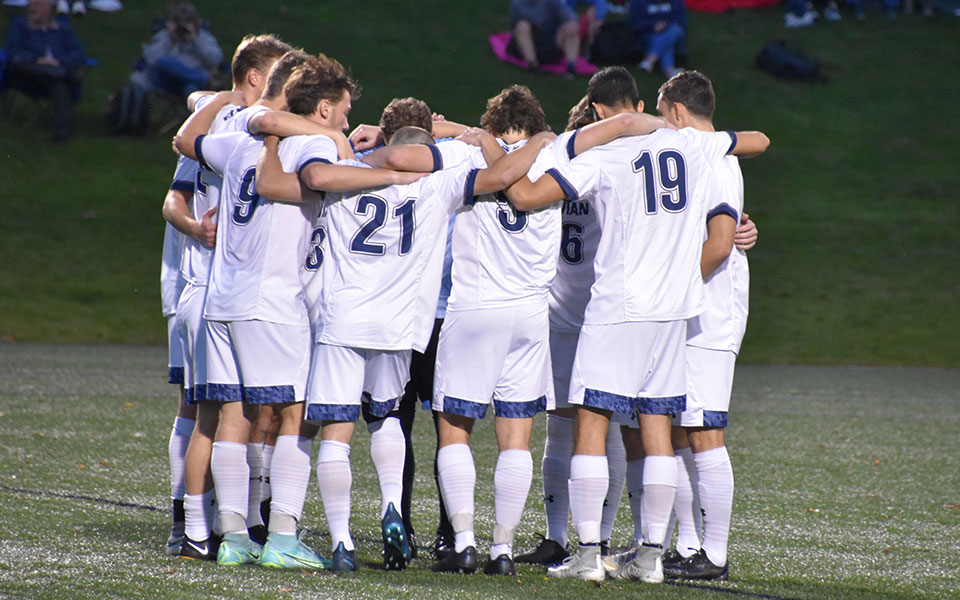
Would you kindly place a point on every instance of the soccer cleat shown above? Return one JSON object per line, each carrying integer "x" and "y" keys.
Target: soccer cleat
{"x": 646, "y": 566}
{"x": 547, "y": 552}
{"x": 173, "y": 544}
{"x": 396, "y": 549}
{"x": 238, "y": 549}
{"x": 697, "y": 566}
{"x": 344, "y": 561}
{"x": 443, "y": 544}
{"x": 671, "y": 557}
{"x": 614, "y": 561}
{"x": 412, "y": 540}
{"x": 285, "y": 554}
{"x": 205, "y": 550}
{"x": 501, "y": 565}
{"x": 176, "y": 530}
{"x": 584, "y": 564}
{"x": 464, "y": 561}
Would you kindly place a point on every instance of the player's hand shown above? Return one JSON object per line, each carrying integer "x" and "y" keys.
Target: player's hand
{"x": 437, "y": 117}
{"x": 207, "y": 235}
{"x": 365, "y": 137}
{"x": 746, "y": 236}
{"x": 473, "y": 136}
{"x": 343, "y": 145}
{"x": 271, "y": 141}
{"x": 405, "y": 177}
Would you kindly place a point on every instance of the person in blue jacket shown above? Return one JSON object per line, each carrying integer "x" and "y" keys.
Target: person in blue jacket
{"x": 660, "y": 27}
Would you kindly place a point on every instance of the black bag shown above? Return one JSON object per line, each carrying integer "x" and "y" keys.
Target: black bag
{"x": 789, "y": 62}
{"x": 129, "y": 111}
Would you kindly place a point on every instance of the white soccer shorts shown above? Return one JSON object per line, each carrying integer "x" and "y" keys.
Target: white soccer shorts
{"x": 342, "y": 378}
{"x": 631, "y": 366}
{"x": 192, "y": 333}
{"x": 174, "y": 352}
{"x": 499, "y": 355}
{"x": 709, "y": 386}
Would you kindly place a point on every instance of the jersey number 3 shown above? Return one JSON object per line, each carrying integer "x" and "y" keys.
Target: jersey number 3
{"x": 671, "y": 171}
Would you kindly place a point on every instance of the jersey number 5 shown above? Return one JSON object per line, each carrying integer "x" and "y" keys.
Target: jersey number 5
{"x": 671, "y": 171}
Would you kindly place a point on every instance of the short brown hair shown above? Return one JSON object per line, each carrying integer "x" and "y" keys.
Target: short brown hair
{"x": 581, "y": 114}
{"x": 281, "y": 70}
{"x": 692, "y": 89}
{"x": 322, "y": 78}
{"x": 514, "y": 108}
{"x": 256, "y": 52}
{"x": 411, "y": 134}
{"x": 403, "y": 112}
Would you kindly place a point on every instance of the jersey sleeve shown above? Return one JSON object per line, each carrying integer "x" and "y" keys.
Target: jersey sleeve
{"x": 715, "y": 144}
{"x": 454, "y": 152}
{"x": 213, "y": 151}
{"x": 185, "y": 175}
{"x": 317, "y": 148}
{"x": 453, "y": 187}
{"x": 722, "y": 197}
{"x": 556, "y": 153}
{"x": 578, "y": 177}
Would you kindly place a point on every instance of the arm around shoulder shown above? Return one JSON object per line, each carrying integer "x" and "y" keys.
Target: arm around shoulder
{"x": 750, "y": 143}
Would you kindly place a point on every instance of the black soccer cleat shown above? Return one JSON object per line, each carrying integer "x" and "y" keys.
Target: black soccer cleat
{"x": 457, "y": 562}
{"x": 547, "y": 552}
{"x": 501, "y": 565}
{"x": 443, "y": 544}
{"x": 205, "y": 550}
{"x": 672, "y": 558}
{"x": 697, "y": 566}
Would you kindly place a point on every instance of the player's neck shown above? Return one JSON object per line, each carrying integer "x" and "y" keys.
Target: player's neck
{"x": 512, "y": 136}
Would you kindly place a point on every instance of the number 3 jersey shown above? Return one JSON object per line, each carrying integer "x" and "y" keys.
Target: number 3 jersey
{"x": 380, "y": 253}
{"x": 500, "y": 256}
{"x": 260, "y": 243}
{"x": 648, "y": 193}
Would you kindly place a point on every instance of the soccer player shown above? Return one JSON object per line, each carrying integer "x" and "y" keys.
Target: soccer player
{"x": 251, "y": 64}
{"x": 648, "y": 192}
{"x": 713, "y": 341}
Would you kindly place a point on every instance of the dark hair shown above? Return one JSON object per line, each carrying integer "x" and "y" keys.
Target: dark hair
{"x": 256, "y": 52}
{"x": 581, "y": 114}
{"x": 613, "y": 86}
{"x": 693, "y": 90}
{"x": 514, "y": 108}
{"x": 403, "y": 112}
{"x": 183, "y": 13}
{"x": 411, "y": 134}
{"x": 321, "y": 78}
{"x": 281, "y": 70}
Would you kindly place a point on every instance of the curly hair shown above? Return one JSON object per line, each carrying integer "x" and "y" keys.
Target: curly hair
{"x": 321, "y": 78}
{"x": 514, "y": 108}
{"x": 403, "y": 112}
{"x": 581, "y": 114}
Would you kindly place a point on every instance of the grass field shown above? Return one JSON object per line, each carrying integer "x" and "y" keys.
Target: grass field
{"x": 847, "y": 487}
{"x": 856, "y": 199}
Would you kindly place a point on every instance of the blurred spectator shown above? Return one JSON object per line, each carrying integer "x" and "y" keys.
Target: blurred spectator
{"x": 181, "y": 57}
{"x": 590, "y": 20}
{"x": 660, "y": 27}
{"x": 544, "y": 31}
{"x": 44, "y": 61}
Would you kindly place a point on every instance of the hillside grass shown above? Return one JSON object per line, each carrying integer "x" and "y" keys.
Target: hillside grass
{"x": 856, "y": 200}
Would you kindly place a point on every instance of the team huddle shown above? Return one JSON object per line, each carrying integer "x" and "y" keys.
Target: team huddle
{"x": 311, "y": 279}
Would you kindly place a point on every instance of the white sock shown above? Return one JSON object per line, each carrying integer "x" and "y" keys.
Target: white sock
{"x": 290, "y": 472}
{"x": 716, "y": 498}
{"x": 617, "y": 472}
{"x": 659, "y": 491}
{"x": 589, "y": 480}
{"x": 231, "y": 479}
{"x": 334, "y": 479}
{"x": 199, "y": 511}
{"x": 255, "y": 462}
{"x": 177, "y": 449}
{"x": 387, "y": 451}
{"x": 557, "y": 452}
{"x": 458, "y": 476}
{"x": 511, "y": 485}
{"x": 267, "y": 460}
{"x": 687, "y": 504}
{"x": 635, "y": 495}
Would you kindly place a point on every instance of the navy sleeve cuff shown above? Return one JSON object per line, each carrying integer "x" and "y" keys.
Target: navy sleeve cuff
{"x": 733, "y": 141}
{"x": 568, "y": 189}
{"x": 182, "y": 186}
{"x": 571, "y": 153}
{"x": 437, "y": 157}
{"x": 723, "y": 209}
{"x": 310, "y": 162}
{"x": 468, "y": 198}
{"x": 198, "y": 150}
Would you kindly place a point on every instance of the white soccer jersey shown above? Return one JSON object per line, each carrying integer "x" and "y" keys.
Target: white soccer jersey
{"x": 171, "y": 281}
{"x": 649, "y": 196}
{"x": 195, "y": 264}
{"x": 500, "y": 256}
{"x": 722, "y": 325}
{"x": 384, "y": 258}
{"x": 260, "y": 244}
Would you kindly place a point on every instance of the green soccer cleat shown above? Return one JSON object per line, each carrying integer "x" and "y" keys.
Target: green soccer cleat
{"x": 396, "y": 548}
{"x": 238, "y": 549}
{"x": 282, "y": 553}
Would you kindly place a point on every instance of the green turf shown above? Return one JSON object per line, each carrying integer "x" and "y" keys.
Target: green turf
{"x": 846, "y": 487}
{"x": 855, "y": 200}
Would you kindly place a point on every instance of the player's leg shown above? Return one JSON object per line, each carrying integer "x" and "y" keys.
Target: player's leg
{"x": 457, "y": 475}
{"x": 263, "y": 430}
{"x": 617, "y": 475}
{"x": 686, "y": 506}
{"x": 179, "y": 435}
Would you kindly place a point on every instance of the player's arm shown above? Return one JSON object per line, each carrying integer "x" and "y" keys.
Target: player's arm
{"x": 617, "y": 126}
{"x": 285, "y": 124}
{"x": 176, "y": 211}
{"x": 720, "y": 231}
{"x": 323, "y": 176}
{"x": 747, "y": 144}
{"x": 446, "y": 129}
{"x": 195, "y": 97}
{"x": 405, "y": 157}
{"x": 746, "y": 236}
{"x": 509, "y": 168}
{"x": 272, "y": 181}
{"x": 364, "y": 137}
{"x": 199, "y": 122}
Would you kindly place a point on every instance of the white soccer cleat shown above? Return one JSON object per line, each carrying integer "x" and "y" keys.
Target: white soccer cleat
{"x": 646, "y": 566}
{"x": 584, "y": 564}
